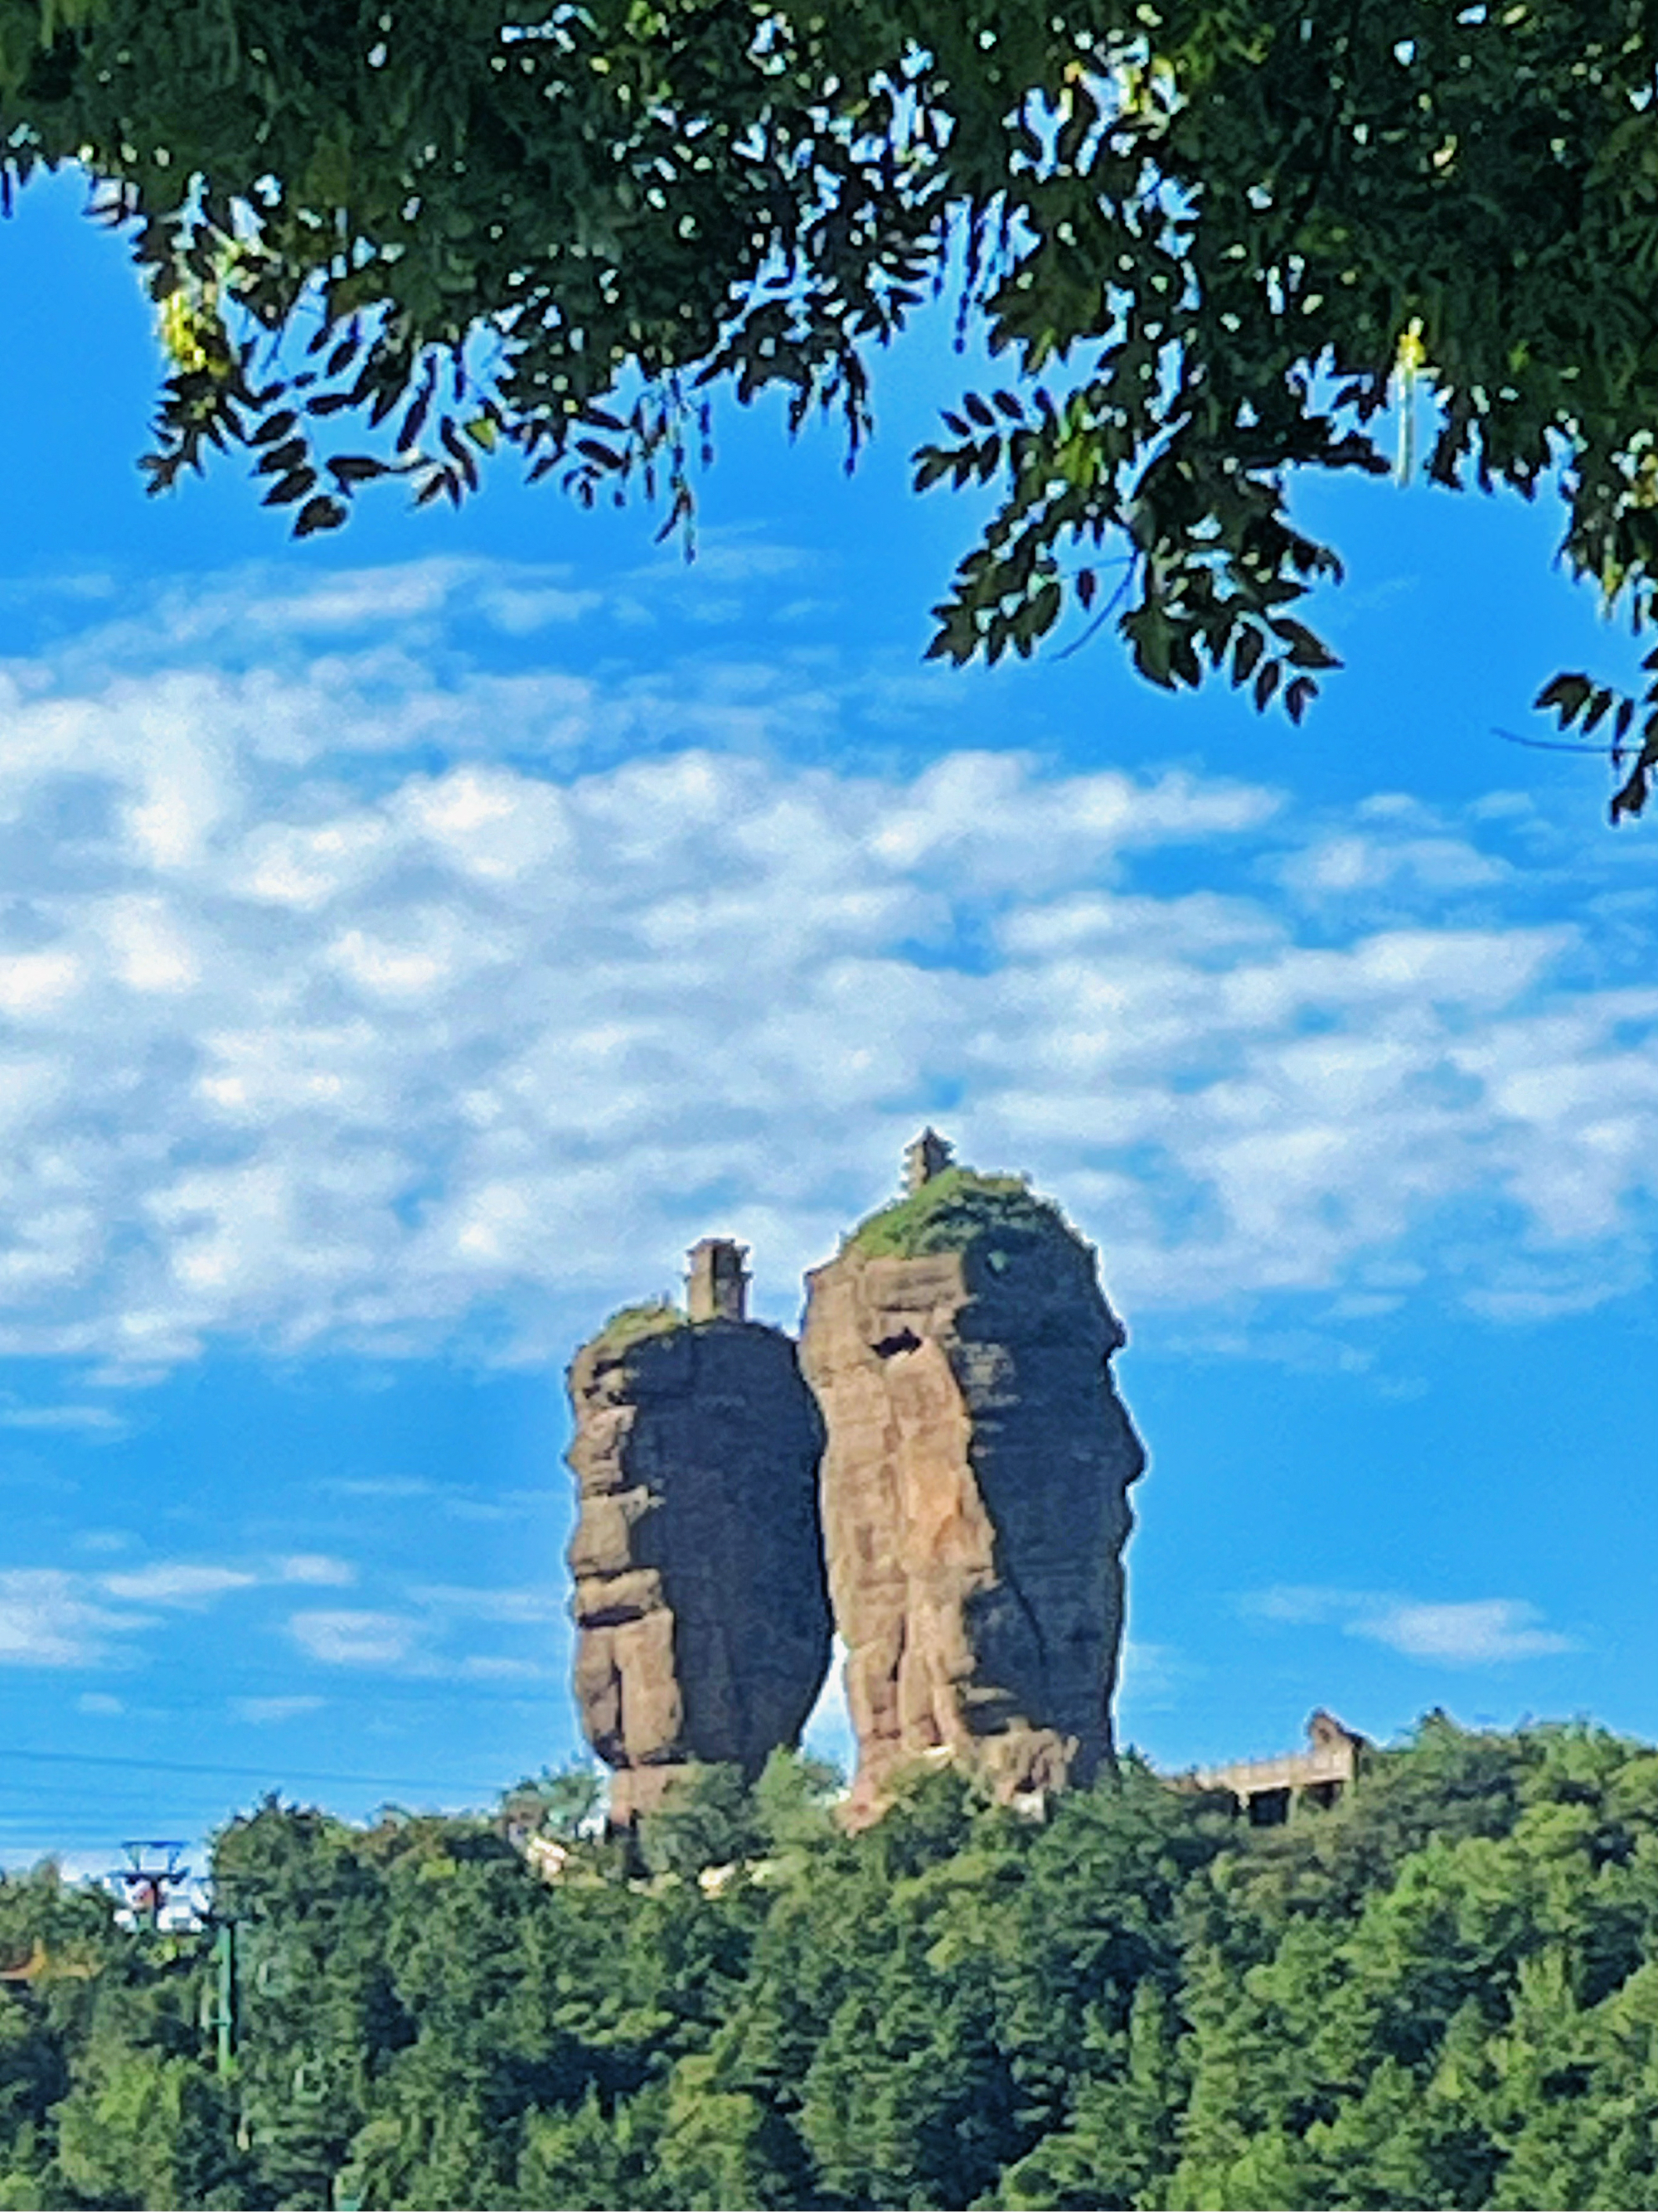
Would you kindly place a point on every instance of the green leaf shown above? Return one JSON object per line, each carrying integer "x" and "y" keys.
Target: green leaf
{"x": 319, "y": 514}
{"x": 1154, "y": 641}
{"x": 414, "y": 422}
{"x": 1297, "y": 695}
{"x": 279, "y": 459}
{"x": 1568, "y": 694}
{"x": 1306, "y": 649}
{"x": 356, "y": 468}
{"x": 291, "y": 487}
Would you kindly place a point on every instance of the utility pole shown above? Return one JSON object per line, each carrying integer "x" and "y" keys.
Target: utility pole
{"x": 219, "y": 1999}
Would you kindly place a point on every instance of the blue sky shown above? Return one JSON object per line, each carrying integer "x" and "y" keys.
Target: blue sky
{"x": 414, "y": 940}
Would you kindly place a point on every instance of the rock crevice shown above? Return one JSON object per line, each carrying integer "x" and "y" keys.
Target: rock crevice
{"x": 974, "y": 1489}
{"x": 700, "y": 1604}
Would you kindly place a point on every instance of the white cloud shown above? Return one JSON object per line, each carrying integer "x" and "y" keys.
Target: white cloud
{"x": 33, "y": 985}
{"x": 307, "y": 1040}
{"x": 316, "y": 1567}
{"x": 49, "y": 1619}
{"x": 505, "y": 1605}
{"x": 1152, "y": 1678}
{"x": 1479, "y": 1633}
{"x": 176, "y": 1583}
{"x": 1344, "y": 863}
{"x": 500, "y": 1666}
{"x": 265, "y": 1713}
{"x": 1304, "y": 1604}
{"x": 64, "y": 1420}
{"x": 454, "y": 1504}
{"x": 356, "y": 1639}
{"x": 519, "y": 610}
{"x": 1472, "y": 1632}
{"x": 370, "y": 1485}
{"x": 52, "y": 1617}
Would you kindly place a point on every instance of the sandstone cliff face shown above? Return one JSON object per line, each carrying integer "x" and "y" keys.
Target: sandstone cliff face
{"x": 701, "y": 1611}
{"x": 974, "y": 1497}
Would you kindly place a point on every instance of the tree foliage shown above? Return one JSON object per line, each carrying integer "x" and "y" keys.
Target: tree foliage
{"x": 1442, "y": 1991}
{"x": 1210, "y": 239}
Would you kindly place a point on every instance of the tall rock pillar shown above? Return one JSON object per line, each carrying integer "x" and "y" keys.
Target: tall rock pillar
{"x": 975, "y": 1483}
{"x": 701, "y": 1611}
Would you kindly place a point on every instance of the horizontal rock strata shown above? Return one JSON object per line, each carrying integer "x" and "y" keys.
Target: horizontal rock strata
{"x": 975, "y": 1489}
{"x": 700, "y": 1604}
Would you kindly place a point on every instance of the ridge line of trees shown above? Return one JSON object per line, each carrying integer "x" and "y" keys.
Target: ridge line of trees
{"x": 1442, "y": 1991}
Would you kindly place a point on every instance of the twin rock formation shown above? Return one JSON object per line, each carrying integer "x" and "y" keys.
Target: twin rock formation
{"x": 942, "y": 1473}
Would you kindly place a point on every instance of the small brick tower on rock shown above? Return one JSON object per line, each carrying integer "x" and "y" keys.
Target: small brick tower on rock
{"x": 716, "y": 1281}
{"x": 924, "y": 1156}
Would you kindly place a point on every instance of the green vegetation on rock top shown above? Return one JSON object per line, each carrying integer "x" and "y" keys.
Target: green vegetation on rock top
{"x": 632, "y": 1325}
{"x": 953, "y": 1211}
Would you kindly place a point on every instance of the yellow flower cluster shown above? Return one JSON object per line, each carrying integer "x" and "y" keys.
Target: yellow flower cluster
{"x": 184, "y": 325}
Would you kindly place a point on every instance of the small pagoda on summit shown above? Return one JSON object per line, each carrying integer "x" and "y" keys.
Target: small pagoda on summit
{"x": 925, "y": 1157}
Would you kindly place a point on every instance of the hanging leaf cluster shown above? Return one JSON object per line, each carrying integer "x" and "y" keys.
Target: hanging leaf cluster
{"x": 1212, "y": 241}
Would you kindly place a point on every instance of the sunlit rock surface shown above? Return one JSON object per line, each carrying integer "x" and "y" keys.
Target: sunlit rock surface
{"x": 975, "y": 1485}
{"x": 701, "y": 1609}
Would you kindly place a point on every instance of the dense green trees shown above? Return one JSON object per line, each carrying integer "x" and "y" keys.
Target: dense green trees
{"x": 1443, "y": 1992}
{"x": 1207, "y": 238}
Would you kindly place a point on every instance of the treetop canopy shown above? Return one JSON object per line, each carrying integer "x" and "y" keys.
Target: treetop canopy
{"x": 1211, "y": 238}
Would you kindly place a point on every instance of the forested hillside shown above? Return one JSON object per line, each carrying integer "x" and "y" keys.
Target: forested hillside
{"x": 1443, "y": 1991}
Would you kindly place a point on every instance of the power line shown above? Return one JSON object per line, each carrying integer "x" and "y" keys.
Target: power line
{"x": 252, "y": 1773}
{"x": 1561, "y": 745}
